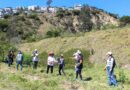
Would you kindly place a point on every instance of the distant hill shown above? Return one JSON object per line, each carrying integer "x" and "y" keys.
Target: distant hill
{"x": 34, "y": 26}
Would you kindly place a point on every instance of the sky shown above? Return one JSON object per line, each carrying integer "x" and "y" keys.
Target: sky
{"x": 120, "y": 7}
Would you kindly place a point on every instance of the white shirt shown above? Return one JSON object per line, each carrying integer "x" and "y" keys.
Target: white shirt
{"x": 51, "y": 61}
{"x": 110, "y": 62}
{"x": 35, "y": 58}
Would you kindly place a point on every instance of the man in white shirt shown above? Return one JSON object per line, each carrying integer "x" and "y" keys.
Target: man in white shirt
{"x": 110, "y": 69}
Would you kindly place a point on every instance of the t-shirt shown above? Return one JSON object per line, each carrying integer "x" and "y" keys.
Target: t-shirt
{"x": 110, "y": 62}
{"x": 61, "y": 62}
{"x": 51, "y": 61}
{"x": 19, "y": 57}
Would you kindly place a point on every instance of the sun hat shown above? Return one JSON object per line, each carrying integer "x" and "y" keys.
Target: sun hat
{"x": 109, "y": 53}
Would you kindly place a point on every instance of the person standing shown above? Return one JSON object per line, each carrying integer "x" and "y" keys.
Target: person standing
{"x": 10, "y": 58}
{"x": 50, "y": 62}
{"x": 35, "y": 58}
{"x": 79, "y": 64}
{"x": 61, "y": 64}
{"x": 110, "y": 69}
{"x": 19, "y": 60}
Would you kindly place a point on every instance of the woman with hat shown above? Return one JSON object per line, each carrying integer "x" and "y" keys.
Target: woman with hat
{"x": 50, "y": 62}
{"x": 35, "y": 58}
{"x": 110, "y": 69}
{"x": 79, "y": 63}
{"x": 61, "y": 64}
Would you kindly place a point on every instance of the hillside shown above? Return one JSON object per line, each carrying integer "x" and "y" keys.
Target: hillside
{"x": 28, "y": 27}
{"x": 115, "y": 40}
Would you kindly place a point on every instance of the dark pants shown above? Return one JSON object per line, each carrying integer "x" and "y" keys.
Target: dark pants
{"x": 12, "y": 61}
{"x": 61, "y": 68}
{"x": 48, "y": 67}
{"x": 79, "y": 73}
{"x": 19, "y": 63}
{"x": 9, "y": 63}
{"x": 35, "y": 64}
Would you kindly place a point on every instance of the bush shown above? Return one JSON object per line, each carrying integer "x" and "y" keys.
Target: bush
{"x": 125, "y": 20}
{"x": 76, "y": 12}
{"x": 6, "y": 16}
{"x": 4, "y": 24}
{"x": 27, "y": 59}
{"x": 34, "y": 16}
{"x": 53, "y": 33}
{"x": 60, "y": 13}
{"x": 43, "y": 58}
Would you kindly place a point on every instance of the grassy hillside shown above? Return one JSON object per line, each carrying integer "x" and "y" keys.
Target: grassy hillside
{"x": 115, "y": 40}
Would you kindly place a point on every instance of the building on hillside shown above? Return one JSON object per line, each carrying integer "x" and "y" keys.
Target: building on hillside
{"x": 8, "y": 10}
{"x": 33, "y": 8}
{"x": 43, "y": 9}
{"x": 1, "y": 13}
{"x": 52, "y": 10}
{"x": 15, "y": 11}
{"x": 78, "y": 7}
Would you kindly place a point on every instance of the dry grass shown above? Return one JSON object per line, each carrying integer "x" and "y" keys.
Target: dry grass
{"x": 116, "y": 40}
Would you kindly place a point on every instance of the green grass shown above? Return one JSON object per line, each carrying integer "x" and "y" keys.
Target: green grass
{"x": 31, "y": 79}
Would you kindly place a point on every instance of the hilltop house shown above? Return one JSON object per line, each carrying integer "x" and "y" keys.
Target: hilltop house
{"x": 33, "y": 8}
{"x": 78, "y": 7}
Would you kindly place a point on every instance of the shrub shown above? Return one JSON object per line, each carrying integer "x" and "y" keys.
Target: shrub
{"x": 53, "y": 33}
{"x": 60, "y": 13}
{"x": 43, "y": 58}
{"x": 125, "y": 20}
{"x": 34, "y": 16}
{"x": 6, "y": 16}
{"x": 76, "y": 12}
{"x": 27, "y": 59}
{"x": 3, "y": 24}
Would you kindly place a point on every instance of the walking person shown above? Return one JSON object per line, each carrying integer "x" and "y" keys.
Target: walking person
{"x": 50, "y": 62}
{"x": 19, "y": 60}
{"x": 61, "y": 64}
{"x": 79, "y": 64}
{"x": 110, "y": 69}
{"x": 10, "y": 58}
{"x": 35, "y": 58}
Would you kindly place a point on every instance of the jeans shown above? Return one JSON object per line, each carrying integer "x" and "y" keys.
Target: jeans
{"x": 48, "y": 67}
{"x": 111, "y": 77}
{"x": 35, "y": 64}
{"x": 17, "y": 64}
{"x": 61, "y": 68}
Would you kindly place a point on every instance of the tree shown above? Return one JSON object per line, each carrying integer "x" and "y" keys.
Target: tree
{"x": 85, "y": 18}
{"x": 125, "y": 20}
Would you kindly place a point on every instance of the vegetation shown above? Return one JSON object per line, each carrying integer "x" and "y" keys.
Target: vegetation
{"x": 125, "y": 20}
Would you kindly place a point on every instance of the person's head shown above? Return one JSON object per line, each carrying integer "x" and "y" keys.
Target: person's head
{"x": 78, "y": 52}
{"x": 10, "y": 52}
{"x": 51, "y": 53}
{"x": 62, "y": 56}
{"x": 109, "y": 54}
{"x": 19, "y": 52}
{"x": 35, "y": 50}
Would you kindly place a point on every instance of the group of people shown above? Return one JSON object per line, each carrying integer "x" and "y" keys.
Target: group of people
{"x": 78, "y": 57}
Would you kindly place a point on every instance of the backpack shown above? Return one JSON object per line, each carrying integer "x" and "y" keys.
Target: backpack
{"x": 19, "y": 57}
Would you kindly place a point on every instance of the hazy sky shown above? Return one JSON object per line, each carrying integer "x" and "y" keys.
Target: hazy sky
{"x": 121, "y": 7}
